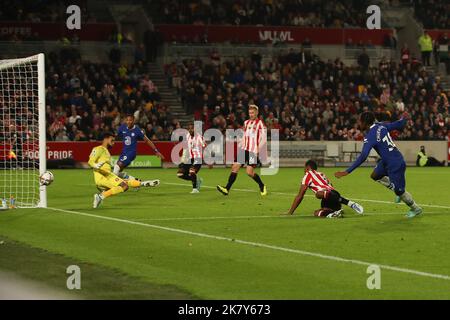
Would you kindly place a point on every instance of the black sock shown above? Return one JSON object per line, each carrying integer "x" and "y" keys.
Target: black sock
{"x": 231, "y": 180}
{"x": 343, "y": 200}
{"x": 194, "y": 180}
{"x": 258, "y": 181}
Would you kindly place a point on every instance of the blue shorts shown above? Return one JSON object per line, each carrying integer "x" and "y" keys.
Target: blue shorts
{"x": 396, "y": 176}
{"x": 127, "y": 158}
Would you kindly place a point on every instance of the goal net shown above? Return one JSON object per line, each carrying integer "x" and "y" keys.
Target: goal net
{"x": 22, "y": 131}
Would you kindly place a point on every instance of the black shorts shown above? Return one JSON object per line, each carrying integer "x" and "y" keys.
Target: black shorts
{"x": 196, "y": 164}
{"x": 250, "y": 159}
{"x": 333, "y": 201}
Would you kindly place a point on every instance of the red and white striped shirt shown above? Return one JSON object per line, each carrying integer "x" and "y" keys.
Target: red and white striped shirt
{"x": 316, "y": 181}
{"x": 195, "y": 146}
{"x": 255, "y": 135}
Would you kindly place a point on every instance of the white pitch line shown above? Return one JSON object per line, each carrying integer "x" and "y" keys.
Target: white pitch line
{"x": 207, "y": 218}
{"x": 260, "y": 217}
{"x": 259, "y": 245}
{"x": 308, "y": 195}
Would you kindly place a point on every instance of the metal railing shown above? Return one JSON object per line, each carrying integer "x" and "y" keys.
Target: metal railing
{"x": 180, "y": 51}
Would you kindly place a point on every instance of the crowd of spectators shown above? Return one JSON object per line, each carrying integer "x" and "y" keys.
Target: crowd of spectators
{"x": 434, "y": 14}
{"x": 41, "y": 10}
{"x": 85, "y": 100}
{"x": 302, "y": 13}
{"x": 307, "y": 98}
{"x": 35, "y": 11}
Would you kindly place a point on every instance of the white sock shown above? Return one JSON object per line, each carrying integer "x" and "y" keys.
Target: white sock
{"x": 116, "y": 170}
{"x": 350, "y": 203}
{"x": 406, "y": 197}
{"x": 385, "y": 181}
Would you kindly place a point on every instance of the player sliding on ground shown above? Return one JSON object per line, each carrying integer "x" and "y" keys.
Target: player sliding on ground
{"x": 390, "y": 171}
{"x": 192, "y": 159}
{"x": 130, "y": 133}
{"x": 254, "y": 140}
{"x": 106, "y": 181}
{"x": 331, "y": 205}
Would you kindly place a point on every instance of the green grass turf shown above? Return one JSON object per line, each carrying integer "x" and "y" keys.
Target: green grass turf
{"x": 219, "y": 269}
{"x": 98, "y": 282}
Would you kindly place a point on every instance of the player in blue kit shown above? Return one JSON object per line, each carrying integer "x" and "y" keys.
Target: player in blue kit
{"x": 390, "y": 170}
{"x": 130, "y": 134}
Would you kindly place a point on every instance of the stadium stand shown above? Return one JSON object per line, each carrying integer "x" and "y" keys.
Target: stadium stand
{"x": 86, "y": 99}
{"x": 305, "y": 96}
{"x": 41, "y": 10}
{"x": 433, "y": 14}
{"x": 312, "y": 99}
{"x": 304, "y": 13}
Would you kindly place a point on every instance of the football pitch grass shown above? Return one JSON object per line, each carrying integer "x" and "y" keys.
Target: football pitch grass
{"x": 167, "y": 243}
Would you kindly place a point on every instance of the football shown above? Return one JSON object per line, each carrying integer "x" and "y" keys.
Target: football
{"x": 46, "y": 178}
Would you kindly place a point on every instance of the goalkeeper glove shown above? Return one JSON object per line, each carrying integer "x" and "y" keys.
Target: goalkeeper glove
{"x": 99, "y": 165}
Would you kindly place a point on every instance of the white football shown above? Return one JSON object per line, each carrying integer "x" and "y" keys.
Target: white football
{"x": 46, "y": 178}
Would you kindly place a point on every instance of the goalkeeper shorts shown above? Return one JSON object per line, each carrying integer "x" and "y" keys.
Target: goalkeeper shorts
{"x": 107, "y": 182}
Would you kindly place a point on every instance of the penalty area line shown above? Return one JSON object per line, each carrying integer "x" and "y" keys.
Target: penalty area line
{"x": 257, "y": 244}
{"x": 308, "y": 195}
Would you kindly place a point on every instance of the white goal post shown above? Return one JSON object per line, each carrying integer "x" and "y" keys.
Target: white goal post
{"x": 22, "y": 131}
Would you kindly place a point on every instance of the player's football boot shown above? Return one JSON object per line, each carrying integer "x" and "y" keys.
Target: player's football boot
{"x": 151, "y": 183}
{"x": 414, "y": 212}
{"x": 97, "y": 201}
{"x": 222, "y": 190}
{"x": 336, "y": 214}
{"x": 199, "y": 183}
{"x": 195, "y": 191}
{"x": 357, "y": 207}
{"x": 264, "y": 191}
{"x": 397, "y": 199}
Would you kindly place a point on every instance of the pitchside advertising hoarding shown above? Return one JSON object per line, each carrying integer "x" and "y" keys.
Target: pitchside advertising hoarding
{"x": 142, "y": 162}
{"x": 448, "y": 153}
{"x": 54, "y": 31}
{"x": 79, "y": 152}
{"x": 264, "y": 34}
{"x": 76, "y": 154}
